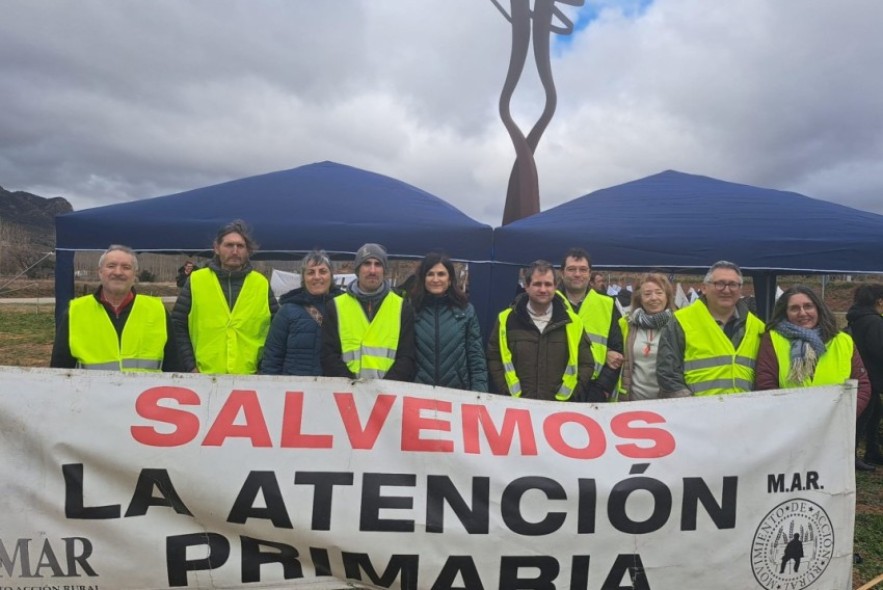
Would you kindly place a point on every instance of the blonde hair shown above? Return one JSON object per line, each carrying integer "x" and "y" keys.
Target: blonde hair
{"x": 659, "y": 279}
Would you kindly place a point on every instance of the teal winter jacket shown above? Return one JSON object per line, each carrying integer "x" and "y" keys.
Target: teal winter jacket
{"x": 449, "y": 347}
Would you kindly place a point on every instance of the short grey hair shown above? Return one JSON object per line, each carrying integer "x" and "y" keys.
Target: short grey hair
{"x": 316, "y": 258}
{"x": 722, "y": 264}
{"x": 119, "y": 248}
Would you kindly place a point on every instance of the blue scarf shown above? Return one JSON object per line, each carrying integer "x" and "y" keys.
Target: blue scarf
{"x": 806, "y": 349}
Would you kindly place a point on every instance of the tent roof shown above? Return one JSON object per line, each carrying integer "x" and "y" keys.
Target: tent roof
{"x": 326, "y": 205}
{"x": 687, "y": 222}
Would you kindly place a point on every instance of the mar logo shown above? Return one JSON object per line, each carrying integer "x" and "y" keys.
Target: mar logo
{"x": 792, "y": 546}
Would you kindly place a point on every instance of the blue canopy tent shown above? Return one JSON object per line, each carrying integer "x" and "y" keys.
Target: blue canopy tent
{"x": 684, "y": 223}
{"x": 327, "y": 205}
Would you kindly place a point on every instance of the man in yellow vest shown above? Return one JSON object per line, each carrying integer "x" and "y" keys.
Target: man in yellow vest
{"x": 710, "y": 347}
{"x": 368, "y": 331}
{"x": 599, "y": 316}
{"x": 223, "y": 312}
{"x": 538, "y": 348}
{"x": 115, "y": 329}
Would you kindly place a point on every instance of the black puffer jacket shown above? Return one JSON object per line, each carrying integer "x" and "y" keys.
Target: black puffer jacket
{"x": 449, "y": 348}
{"x": 294, "y": 342}
{"x": 866, "y": 325}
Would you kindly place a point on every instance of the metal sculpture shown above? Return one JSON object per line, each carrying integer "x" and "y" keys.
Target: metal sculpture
{"x": 523, "y": 194}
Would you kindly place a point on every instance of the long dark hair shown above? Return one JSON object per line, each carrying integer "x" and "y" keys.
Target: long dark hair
{"x": 827, "y": 322}
{"x": 418, "y": 292}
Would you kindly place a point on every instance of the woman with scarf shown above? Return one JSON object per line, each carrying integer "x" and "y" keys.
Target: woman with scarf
{"x": 651, "y": 309}
{"x": 448, "y": 342}
{"x": 294, "y": 342}
{"x": 802, "y": 347}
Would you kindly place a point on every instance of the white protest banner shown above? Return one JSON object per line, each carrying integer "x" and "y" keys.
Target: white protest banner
{"x": 119, "y": 482}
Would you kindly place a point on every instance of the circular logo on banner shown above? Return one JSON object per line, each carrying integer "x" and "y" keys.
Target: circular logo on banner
{"x": 792, "y": 546}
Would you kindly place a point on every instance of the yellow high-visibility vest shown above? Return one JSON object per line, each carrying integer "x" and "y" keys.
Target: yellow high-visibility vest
{"x": 228, "y": 341}
{"x": 94, "y": 342}
{"x": 369, "y": 348}
{"x": 596, "y": 315}
{"x": 624, "y": 328}
{"x": 712, "y": 366}
{"x": 833, "y": 368}
{"x": 571, "y": 372}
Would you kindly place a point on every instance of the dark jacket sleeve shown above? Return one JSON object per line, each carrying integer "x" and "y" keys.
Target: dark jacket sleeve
{"x": 276, "y": 344}
{"x": 766, "y": 371}
{"x": 475, "y": 356}
{"x": 405, "y": 365}
{"x": 61, "y": 348}
{"x": 608, "y": 376}
{"x": 614, "y": 334}
{"x": 332, "y": 357}
{"x": 170, "y": 361}
{"x": 273, "y": 303}
{"x": 495, "y": 362}
{"x": 181, "y": 329}
{"x": 670, "y": 361}
{"x": 588, "y": 389}
{"x": 864, "y": 383}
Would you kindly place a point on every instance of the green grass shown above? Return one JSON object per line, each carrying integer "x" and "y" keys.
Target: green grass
{"x": 869, "y": 526}
{"x": 26, "y": 335}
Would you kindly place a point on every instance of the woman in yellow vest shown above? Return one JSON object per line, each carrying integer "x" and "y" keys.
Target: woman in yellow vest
{"x": 652, "y": 308}
{"x": 802, "y": 347}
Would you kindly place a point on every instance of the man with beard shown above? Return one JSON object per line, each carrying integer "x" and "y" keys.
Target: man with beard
{"x": 223, "y": 312}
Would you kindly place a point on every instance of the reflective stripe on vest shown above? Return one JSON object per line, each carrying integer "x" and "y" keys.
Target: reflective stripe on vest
{"x": 94, "y": 342}
{"x": 596, "y": 315}
{"x": 571, "y": 373}
{"x": 712, "y": 366}
{"x": 833, "y": 368}
{"x": 228, "y": 341}
{"x": 620, "y": 389}
{"x": 369, "y": 349}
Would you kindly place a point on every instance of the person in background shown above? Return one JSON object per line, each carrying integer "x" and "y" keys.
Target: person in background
{"x": 115, "y": 328}
{"x": 710, "y": 347}
{"x": 294, "y": 343}
{"x": 538, "y": 348}
{"x": 597, "y": 282}
{"x": 368, "y": 331}
{"x": 223, "y": 312}
{"x": 447, "y": 337}
{"x": 652, "y": 308}
{"x": 184, "y": 273}
{"x": 802, "y": 347}
{"x": 866, "y": 325}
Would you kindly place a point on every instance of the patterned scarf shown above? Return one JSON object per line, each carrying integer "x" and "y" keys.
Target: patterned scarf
{"x": 806, "y": 348}
{"x": 654, "y": 321}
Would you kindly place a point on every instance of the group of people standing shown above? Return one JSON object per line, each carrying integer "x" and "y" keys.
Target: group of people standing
{"x": 559, "y": 340}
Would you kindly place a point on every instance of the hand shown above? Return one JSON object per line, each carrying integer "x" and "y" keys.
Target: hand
{"x": 614, "y": 359}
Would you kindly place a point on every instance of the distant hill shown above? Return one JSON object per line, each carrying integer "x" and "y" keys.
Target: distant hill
{"x": 31, "y": 214}
{"x": 27, "y": 232}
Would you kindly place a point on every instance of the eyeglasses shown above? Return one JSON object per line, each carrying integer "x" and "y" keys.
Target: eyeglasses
{"x": 721, "y": 285}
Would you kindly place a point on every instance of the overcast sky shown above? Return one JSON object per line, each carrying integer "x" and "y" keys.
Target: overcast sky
{"x": 108, "y": 101}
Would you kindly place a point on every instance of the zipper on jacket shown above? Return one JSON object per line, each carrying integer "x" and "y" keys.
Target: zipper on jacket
{"x": 437, "y": 346}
